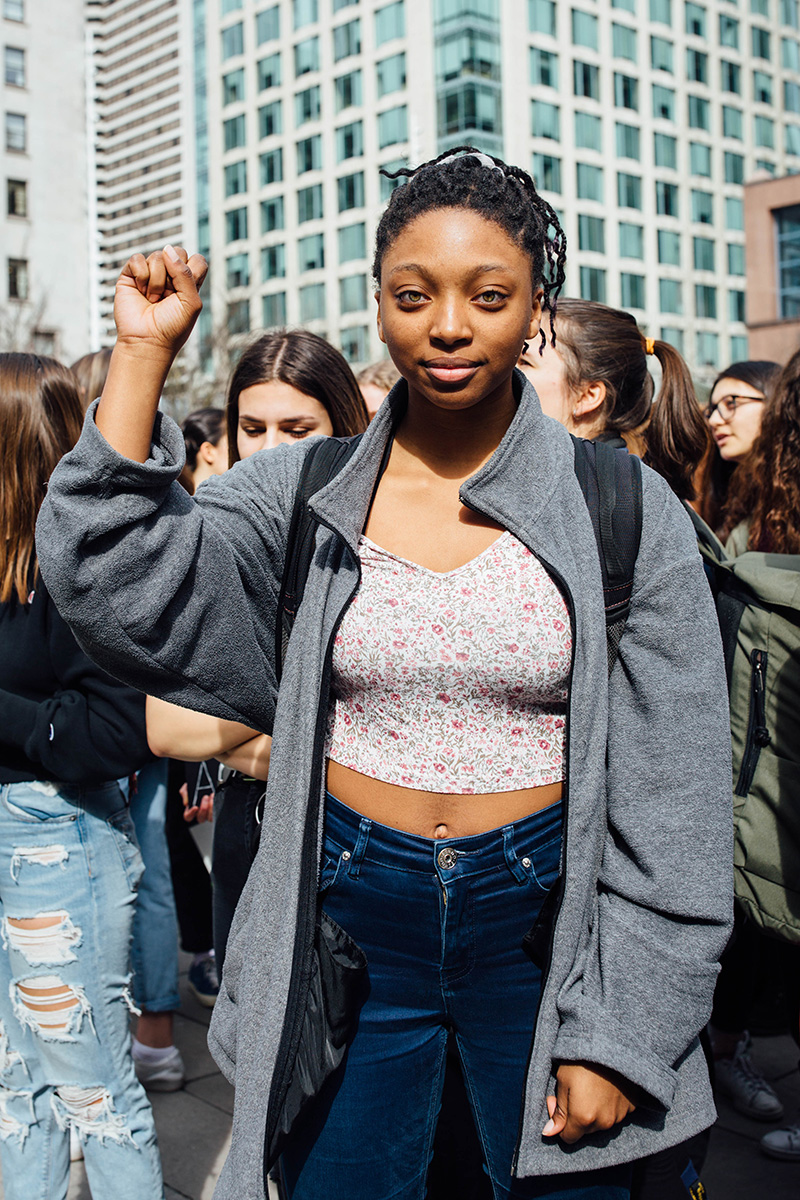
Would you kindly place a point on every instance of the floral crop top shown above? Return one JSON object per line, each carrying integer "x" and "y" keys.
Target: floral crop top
{"x": 453, "y": 682}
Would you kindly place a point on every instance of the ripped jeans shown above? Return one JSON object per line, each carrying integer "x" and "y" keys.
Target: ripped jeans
{"x": 69, "y": 869}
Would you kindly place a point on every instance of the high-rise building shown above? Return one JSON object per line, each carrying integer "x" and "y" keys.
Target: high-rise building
{"x": 44, "y": 223}
{"x": 639, "y": 119}
{"x": 142, "y": 137}
{"x": 772, "y": 234}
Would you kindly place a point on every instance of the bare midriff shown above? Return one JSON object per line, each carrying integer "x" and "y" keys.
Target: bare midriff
{"x": 436, "y": 814}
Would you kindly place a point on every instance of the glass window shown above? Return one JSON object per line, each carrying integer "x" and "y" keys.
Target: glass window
{"x": 235, "y": 178}
{"x": 674, "y": 337}
{"x": 351, "y": 191}
{"x": 347, "y": 39}
{"x": 707, "y": 348}
{"x": 759, "y": 8}
{"x": 304, "y": 12}
{"x": 353, "y": 293}
{"x": 16, "y": 198}
{"x": 705, "y": 301}
{"x": 700, "y": 159}
{"x": 627, "y": 141}
{"x": 388, "y": 185}
{"x": 16, "y": 132}
{"x": 273, "y": 262}
{"x": 734, "y": 167}
{"x": 666, "y": 199}
{"x": 233, "y": 86}
{"x": 764, "y": 132}
{"x": 730, "y": 77}
{"x": 629, "y": 190}
{"x": 391, "y": 74}
{"x": 762, "y": 87}
{"x": 661, "y": 54}
{"x": 542, "y": 17}
{"x": 340, "y": 4}
{"x": 236, "y": 224}
{"x": 268, "y": 25}
{"x": 239, "y": 316}
{"x": 631, "y": 240}
{"x": 669, "y": 247}
{"x": 728, "y": 31}
{"x": 669, "y": 296}
{"x": 661, "y": 11}
{"x": 544, "y": 68}
{"x": 631, "y": 290}
{"x": 586, "y": 80}
{"x": 269, "y": 72}
{"x": 703, "y": 250}
{"x": 307, "y": 105}
{"x": 792, "y": 139}
{"x": 311, "y": 252}
{"x": 273, "y": 310}
{"x": 697, "y": 66}
{"x": 349, "y": 141}
{"x": 764, "y": 164}
{"x": 627, "y": 5}
{"x": 14, "y": 10}
{"x": 270, "y": 119}
{"x": 702, "y": 207}
{"x": 232, "y": 40}
{"x": 760, "y": 42}
{"x": 626, "y": 91}
{"x": 588, "y": 131}
{"x": 732, "y": 122}
{"x": 663, "y": 102}
{"x": 734, "y": 213}
{"x": 665, "y": 150}
{"x": 309, "y": 203}
{"x": 390, "y": 22}
{"x": 272, "y": 214}
{"x": 739, "y": 351}
{"x": 593, "y": 284}
{"x": 623, "y": 40}
{"x": 309, "y": 154}
{"x": 590, "y": 182}
{"x": 352, "y": 242}
{"x": 233, "y": 131}
{"x": 584, "y": 29}
{"x": 312, "y": 302}
{"x": 306, "y": 56}
{"x": 695, "y": 19}
{"x": 547, "y": 172}
{"x": 591, "y": 234}
{"x": 347, "y": 89}
{"x": 545, "y": 120}
{"x": 790, "y": 13}
{"x": 790, "y": 54}
{"x": 237, "y": 270}
{"x": 271, "y": 167}
{"x": 354, "y": 344}
{"x": 791, "y": 96}
{"x": 736, "y": 259}
{"x": 787, "y": 221}
{"x": 392, "y": 126}
{"x": 699, "y": 113}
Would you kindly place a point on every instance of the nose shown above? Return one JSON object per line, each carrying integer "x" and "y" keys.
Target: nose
{"x": 272, "y": 438}
{"x": 716, "y": 418}
{"x": 450, "y": 321}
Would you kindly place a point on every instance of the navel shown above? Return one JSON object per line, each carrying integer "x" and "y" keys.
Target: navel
{"x": 441, "y": 831}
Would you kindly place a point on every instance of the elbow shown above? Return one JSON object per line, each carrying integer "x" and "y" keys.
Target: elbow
{"x": 158, "y": 743}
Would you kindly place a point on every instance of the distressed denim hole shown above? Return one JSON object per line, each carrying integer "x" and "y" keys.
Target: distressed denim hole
{"x": 50, "y": 1008}
{"x": 39, "y": 856}
{"x": 90, "y": 1111}
{"x": 46, "y": 939}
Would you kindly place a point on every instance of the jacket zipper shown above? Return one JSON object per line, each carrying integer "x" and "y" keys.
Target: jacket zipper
{"x": 758, "y": 735}
{"x": 304, "y": 935}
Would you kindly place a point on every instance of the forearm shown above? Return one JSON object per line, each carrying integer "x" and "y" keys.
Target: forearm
{"x": 130, "y": 399}
{"x": 175, "y": 732}
{"x": 251, "y": 758}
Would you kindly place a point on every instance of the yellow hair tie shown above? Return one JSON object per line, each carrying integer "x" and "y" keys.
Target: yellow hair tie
{"x": 649, "y": 345}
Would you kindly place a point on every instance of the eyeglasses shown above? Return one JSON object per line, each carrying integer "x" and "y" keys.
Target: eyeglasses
{"x": 728, "y": 405}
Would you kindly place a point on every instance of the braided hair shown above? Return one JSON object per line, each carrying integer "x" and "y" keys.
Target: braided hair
{"x": 506, "y": 195}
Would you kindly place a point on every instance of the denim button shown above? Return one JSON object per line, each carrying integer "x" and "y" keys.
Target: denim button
{"x": 346, "y": 855}
{"x": 526, "y": 862}
{"x": 447, "y": 858}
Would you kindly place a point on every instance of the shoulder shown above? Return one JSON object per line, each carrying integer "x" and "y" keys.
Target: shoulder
{"x": 737, "y": 542}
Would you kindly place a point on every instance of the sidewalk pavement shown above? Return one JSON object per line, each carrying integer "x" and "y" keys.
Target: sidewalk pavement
{"x": 194, "y": 1124}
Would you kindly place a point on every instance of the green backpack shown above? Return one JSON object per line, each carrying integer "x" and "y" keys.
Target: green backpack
{"x": 758, "y": 605}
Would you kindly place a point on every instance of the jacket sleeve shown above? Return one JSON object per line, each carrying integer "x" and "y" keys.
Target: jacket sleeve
{"x": 174, "y": 595}
{"x": 665, "y": 888}
{"x": 90, "y": 731}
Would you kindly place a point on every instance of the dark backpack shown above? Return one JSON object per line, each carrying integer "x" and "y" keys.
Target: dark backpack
{"x": 611, "y": 482}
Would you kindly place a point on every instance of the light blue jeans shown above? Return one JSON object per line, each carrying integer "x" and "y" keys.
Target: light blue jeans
{"x": 68, "y": 858}
{"x": 154, "y": 955}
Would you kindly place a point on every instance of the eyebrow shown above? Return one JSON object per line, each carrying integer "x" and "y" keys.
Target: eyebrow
{"x": 281, "y": 420}
{"x": 485, "y": 269}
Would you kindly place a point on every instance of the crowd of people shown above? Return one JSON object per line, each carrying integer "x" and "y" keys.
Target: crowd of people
{"x": 436, "y": 652}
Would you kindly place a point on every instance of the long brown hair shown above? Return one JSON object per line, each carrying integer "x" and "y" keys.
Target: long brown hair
{"x": 765, "y": 489}
{"x": 304, "y": 361}
{"x": 40, "y": 420}
{"x": 91, "y": 372}
{"x": 605, "y": 345}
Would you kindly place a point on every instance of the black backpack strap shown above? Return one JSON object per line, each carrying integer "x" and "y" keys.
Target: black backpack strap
{"x": 325, "y": 458}
{"x": 611, "y": 482}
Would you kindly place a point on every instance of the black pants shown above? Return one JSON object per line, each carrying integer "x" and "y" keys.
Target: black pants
{"x": 191, "y": 882}
{"x": 237, "y": 810}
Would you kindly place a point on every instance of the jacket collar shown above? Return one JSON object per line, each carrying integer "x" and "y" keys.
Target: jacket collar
{"x": 513, "y": 487}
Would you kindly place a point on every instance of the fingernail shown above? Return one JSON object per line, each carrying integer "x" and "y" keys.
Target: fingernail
{"x": 549, "y": 1129}
{"x": 171, "y": 253}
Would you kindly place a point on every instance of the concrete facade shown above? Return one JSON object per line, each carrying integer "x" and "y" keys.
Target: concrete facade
{"x": 773, "y": 333}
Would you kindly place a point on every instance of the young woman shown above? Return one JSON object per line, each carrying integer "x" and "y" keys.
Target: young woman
{"x": 69, "y": 864}
{"x": 446, "y": 739}
{"x": 206, "y": 440}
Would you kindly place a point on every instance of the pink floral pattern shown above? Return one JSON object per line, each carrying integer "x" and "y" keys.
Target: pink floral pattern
{"x": 453, "y": 682}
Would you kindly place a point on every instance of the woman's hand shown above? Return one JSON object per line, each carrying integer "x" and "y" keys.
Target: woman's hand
{"x": 588, "y": 1099}
{"x": 157, "y": 300}
{"x": 204, "y": 811}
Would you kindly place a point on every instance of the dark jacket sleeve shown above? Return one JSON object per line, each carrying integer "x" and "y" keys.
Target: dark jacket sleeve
{"x": 174, "y": 595}
{"x": 92, "y": 730}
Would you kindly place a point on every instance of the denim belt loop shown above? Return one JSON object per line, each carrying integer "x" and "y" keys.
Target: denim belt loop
{"x": 360, "y": 848}
{"x": 512, "y": 862}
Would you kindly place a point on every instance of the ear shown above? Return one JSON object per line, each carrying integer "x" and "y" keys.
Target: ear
{"x": 536, "y": 315}
{"x": 589, "y": 400}
{"x": 377, "y": 295}
{"x": 207, "y": 452}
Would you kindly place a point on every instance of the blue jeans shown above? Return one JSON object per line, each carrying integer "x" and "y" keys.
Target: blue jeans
{"x": 68, "y": 856}
{"x": 154, "y": 954}
{"x": 441, "y": 924}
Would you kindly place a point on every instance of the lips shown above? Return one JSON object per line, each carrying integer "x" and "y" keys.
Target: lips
{"x": 451, "y": 370}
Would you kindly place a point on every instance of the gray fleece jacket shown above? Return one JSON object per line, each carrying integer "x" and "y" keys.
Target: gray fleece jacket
{"x": 177, "y": 596}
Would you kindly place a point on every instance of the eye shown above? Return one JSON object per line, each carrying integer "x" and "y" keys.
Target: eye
{"x": 410, "y": 296}
{"x": 299, "y": 433}
{"x": 251, "y": 431}
{"x": 491, "y": 296}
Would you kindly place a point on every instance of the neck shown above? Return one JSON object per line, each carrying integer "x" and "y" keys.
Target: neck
{"x": 456, "y": 442}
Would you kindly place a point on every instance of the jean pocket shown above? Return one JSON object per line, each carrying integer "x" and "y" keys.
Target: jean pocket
{"x": 543, "y": 863}
{"x": 331, "y": 868}
{"x": 37, "y": 803}
{"x": 124, "y": 836}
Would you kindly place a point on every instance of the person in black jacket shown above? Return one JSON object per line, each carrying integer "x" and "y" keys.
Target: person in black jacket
{"x": 69, "y": 863}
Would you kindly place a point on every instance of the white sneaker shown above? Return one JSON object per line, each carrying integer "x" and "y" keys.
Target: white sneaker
{"x": 748, "y": 1091}
{"x": 782, "y": 1143}
{"x": 168, "y": 1075}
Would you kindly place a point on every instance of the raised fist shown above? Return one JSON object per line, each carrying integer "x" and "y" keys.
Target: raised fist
{"x": 156, "y": 302}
